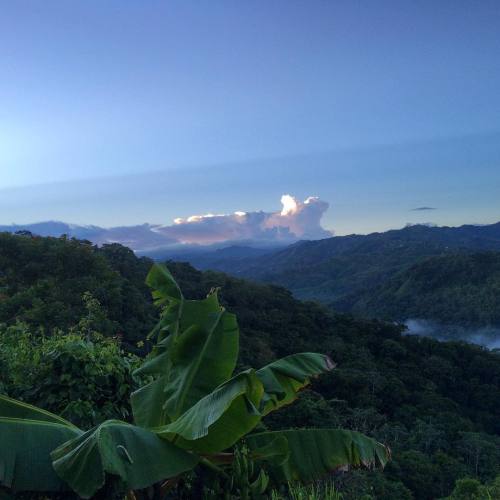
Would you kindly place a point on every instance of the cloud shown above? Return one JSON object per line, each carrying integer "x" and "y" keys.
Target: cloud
{"x": 296, "y": 220}
{"x": 422, "y": 209}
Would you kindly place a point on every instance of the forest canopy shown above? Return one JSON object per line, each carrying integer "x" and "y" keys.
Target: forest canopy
{"x": 435, "y": 404}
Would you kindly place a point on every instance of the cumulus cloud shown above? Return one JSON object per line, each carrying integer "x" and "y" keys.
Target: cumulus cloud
{"x": 296, "y": 220}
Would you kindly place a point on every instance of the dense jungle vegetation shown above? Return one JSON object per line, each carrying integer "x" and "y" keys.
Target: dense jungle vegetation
{"x": 196, "y": 428}
{"x": 74, "y": 321}
{"x": 461, "y": 289}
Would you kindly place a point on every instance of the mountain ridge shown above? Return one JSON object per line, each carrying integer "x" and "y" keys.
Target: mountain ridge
{"x": 349, "y": 273}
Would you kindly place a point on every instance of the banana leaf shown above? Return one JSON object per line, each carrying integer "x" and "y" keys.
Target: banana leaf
{"x": 136, "y": 455}
{"x": 147, "y": 404}
{"x": 220, "y": 419}
{"x": 204, "y": 355}
{"x": 27, "y": 436}
{"x": 313, "y": 453}
{"x": 199, "y": 353}
{"x": 165, "y": 288}
{"x": 283, "y": 378}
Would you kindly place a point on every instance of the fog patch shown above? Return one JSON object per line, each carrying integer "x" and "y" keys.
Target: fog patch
{"x": 485, "y": 336}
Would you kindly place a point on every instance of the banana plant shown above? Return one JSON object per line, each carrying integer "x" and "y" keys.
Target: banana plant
{"x": 194, "y": 412}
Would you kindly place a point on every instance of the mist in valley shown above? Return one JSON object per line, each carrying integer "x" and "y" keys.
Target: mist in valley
{"x": 488, "y": 337}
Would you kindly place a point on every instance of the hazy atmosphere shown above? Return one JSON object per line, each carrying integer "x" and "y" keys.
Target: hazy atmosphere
{"x": 117, "y": 110}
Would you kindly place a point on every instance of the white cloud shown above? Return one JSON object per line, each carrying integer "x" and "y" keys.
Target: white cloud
{"x": 296, "y": 220}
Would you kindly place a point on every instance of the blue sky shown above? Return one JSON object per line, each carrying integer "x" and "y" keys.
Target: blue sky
{"x": 124, "y": 111}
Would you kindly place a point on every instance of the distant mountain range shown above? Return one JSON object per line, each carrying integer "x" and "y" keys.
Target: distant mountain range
{"x": 446, "y": 274}
{"x": 141, "y": 237}
{"x": 145, "y": 239}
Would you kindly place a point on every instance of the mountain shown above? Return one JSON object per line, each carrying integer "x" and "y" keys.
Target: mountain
{"x": 150, "y": 240}
{"x": 363, "y": 274}
{"x": 436, "y": 404}
{"x": 142, "y": 237}
{"x": 346, "y": 271}
{"x": 215, "y": 256}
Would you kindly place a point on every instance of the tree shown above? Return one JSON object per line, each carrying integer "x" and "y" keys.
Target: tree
{"x": 469, "y": 489}
{"x": 481, "y": 453}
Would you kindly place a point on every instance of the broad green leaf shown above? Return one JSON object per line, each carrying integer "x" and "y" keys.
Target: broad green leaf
{"x": 136, "y": 455}
{"x": 147, "y": 404}
{"x": 148, "y": 401}
{"x": 204, "y": 355}
{"x": 313, "y": 453}
{"x": 13, "y": 408}
{"x": 273, "y": 450}
{"x": 27, "y": 436}
{"x": 202, "y": 358}
{"x": 283, "y": 378}
{"x": 165, "y": 288}
{"x": 219, "y": 419}
{"x": 166, "y": 293}
{"x": 158, "y": 361}
{"x": 199, "y": 354}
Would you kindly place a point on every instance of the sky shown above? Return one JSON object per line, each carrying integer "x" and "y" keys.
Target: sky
{"x": 126, "y": 111}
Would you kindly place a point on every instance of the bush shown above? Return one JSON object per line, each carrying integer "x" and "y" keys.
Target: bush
{"x": 86, "y": 378}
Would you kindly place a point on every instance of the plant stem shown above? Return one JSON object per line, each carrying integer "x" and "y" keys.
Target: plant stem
{"x": 212, "y": 466}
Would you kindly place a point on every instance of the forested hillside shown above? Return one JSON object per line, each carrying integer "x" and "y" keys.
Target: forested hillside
{"x": 308, "y": 256}
{"x": 43, "y": 280}
{"x": 453, "y": 289}
{"x": 435, "y": 404}
{"x": 448, "y": 275}
{"x": 335, "y": 268}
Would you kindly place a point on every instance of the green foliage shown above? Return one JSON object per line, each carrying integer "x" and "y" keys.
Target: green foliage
{"x": 411, "y": 393}
{"x": 371, "y": 485}
{"x": 199, "y": 354}
{"x": 334, "y": 269}
{"x": 137, "y": 456}
{"x": 312, "y": 453}
{"x": 193, "y": 358}
{"x": 441, "y": 274}
{"x": 28, "y": 435}
{"x": 86, "y": 378}
{"x": 472, "y": 489}
{"x": 43, "y": 282}
{"x": 468, "y": 489}
{"x": 317, "y": 491}
{"x": 457, "y": 289}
